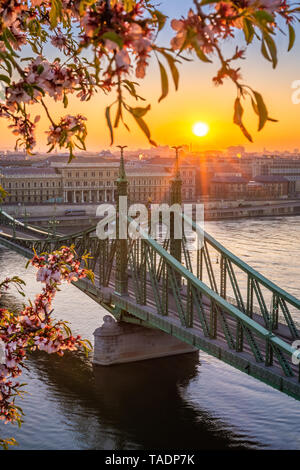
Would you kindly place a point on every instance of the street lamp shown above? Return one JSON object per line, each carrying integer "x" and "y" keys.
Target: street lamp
{"x": 177, "y": 148}
{"x": 53, "y": 222}
{"x": 13, "y": 224}
{"x": 26, "y": 214}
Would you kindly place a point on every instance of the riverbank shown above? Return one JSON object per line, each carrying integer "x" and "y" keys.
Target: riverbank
{"x": 213, "y": 210}
{"x": 247, "y": 210}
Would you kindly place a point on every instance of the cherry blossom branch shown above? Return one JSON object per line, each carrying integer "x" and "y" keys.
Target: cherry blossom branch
{"x": 33, "y": 328}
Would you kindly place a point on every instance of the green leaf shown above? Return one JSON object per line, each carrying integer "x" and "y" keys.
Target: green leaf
{"x": 140, "y": 121}
{"x": 55, "y": 13}
{"x": 264, "y": 51}
{"x": 108, "y": 120}
{"x": 272, "y": 49}
{"x": 140, "y": 112}
{"x": 65, "y": 101}
{"x": 292, "y": 37}
{"x": 119, "y": 114}
{"x": 263, "y": 16}
{"x": 161, "y": 18}
{"x": 5, "y": 39}
{"x": 114, "y": 37}
{"x": 199, "y": 52}
{"x": 5, "y": 79}
{"x": 174, "y": 71}
{"x": 237, "y": 118}
{"x": 248, "y": 30}
{"x": 262, "y": 110}
{"x": 128, "y": 5}
{"x": 40, "y": 69}
{"x": 164, "y": 81}
{"x": 206, "y": 2}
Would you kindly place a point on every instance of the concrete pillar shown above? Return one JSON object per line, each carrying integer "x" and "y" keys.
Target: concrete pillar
{"x": 82, "y": 196}
{"x": 120, "y": 342}
{"x": 90, "y": 195}
{"x": 74, "y": 196}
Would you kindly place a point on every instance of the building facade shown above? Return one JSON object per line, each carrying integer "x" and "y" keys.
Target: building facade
{"x": 92, "y": 182}
{"x": 31, "y": 185}
{"x": 260, "y": 187}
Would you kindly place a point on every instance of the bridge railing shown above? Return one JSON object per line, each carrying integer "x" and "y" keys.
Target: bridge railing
{"x": 197, "y": 305}
{"x": 252, "y": 292}
{"x": 7, "y": 219}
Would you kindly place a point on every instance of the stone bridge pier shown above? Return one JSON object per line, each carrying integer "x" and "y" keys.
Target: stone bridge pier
{"x": 121, "y": 342}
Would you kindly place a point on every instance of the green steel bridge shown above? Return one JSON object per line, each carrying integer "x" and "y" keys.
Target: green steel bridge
{"x": 227, "y": 309}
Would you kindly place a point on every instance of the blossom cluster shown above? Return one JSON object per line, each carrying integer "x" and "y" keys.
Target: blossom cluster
{"x": 39, "y": 78}
{"x": 33, "y": 328}
{"x": 63, "y": 134}
{"x": 116, "y": 33}
{"x": 101, "y": 44}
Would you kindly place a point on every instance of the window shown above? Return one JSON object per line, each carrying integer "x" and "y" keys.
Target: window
{"x": 93, "y": 173}
{"x": 85, "y": 174}
{"x": 69, "y": 174}
{"x": 77, "y": 174}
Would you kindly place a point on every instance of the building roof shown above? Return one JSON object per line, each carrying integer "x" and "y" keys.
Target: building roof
{"x": 79, "y": 159}
{"x": 146, "y": 171}
{"x": 229, "y": 179}
{"x": 270, "y": 179}
{"x": 28, "y": 172}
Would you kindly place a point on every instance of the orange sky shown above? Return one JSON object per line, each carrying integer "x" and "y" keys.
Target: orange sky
{"x": 198, "y": 100}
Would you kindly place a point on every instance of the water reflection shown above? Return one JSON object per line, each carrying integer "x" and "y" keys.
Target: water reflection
{"x": 137, "y": 405}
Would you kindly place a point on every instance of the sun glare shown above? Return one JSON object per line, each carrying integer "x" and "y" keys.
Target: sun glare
{"x": 200, "y": 129}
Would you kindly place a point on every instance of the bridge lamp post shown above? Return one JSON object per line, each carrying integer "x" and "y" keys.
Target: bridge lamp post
{"x": 13, "y": 224}
{"x": 26, "y": 215}
{"x": 17, "y": 210}
{"x": 53, "y": 223}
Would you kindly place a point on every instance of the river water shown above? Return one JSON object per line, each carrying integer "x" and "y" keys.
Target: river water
{"x": 185, "y": 402}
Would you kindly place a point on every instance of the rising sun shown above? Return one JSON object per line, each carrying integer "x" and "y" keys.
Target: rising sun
{"x": 200, "y": 129}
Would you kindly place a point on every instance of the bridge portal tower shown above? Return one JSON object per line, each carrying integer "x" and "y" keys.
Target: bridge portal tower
{"x": 121, "y": 281}
{"x": 175, "y": 198}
